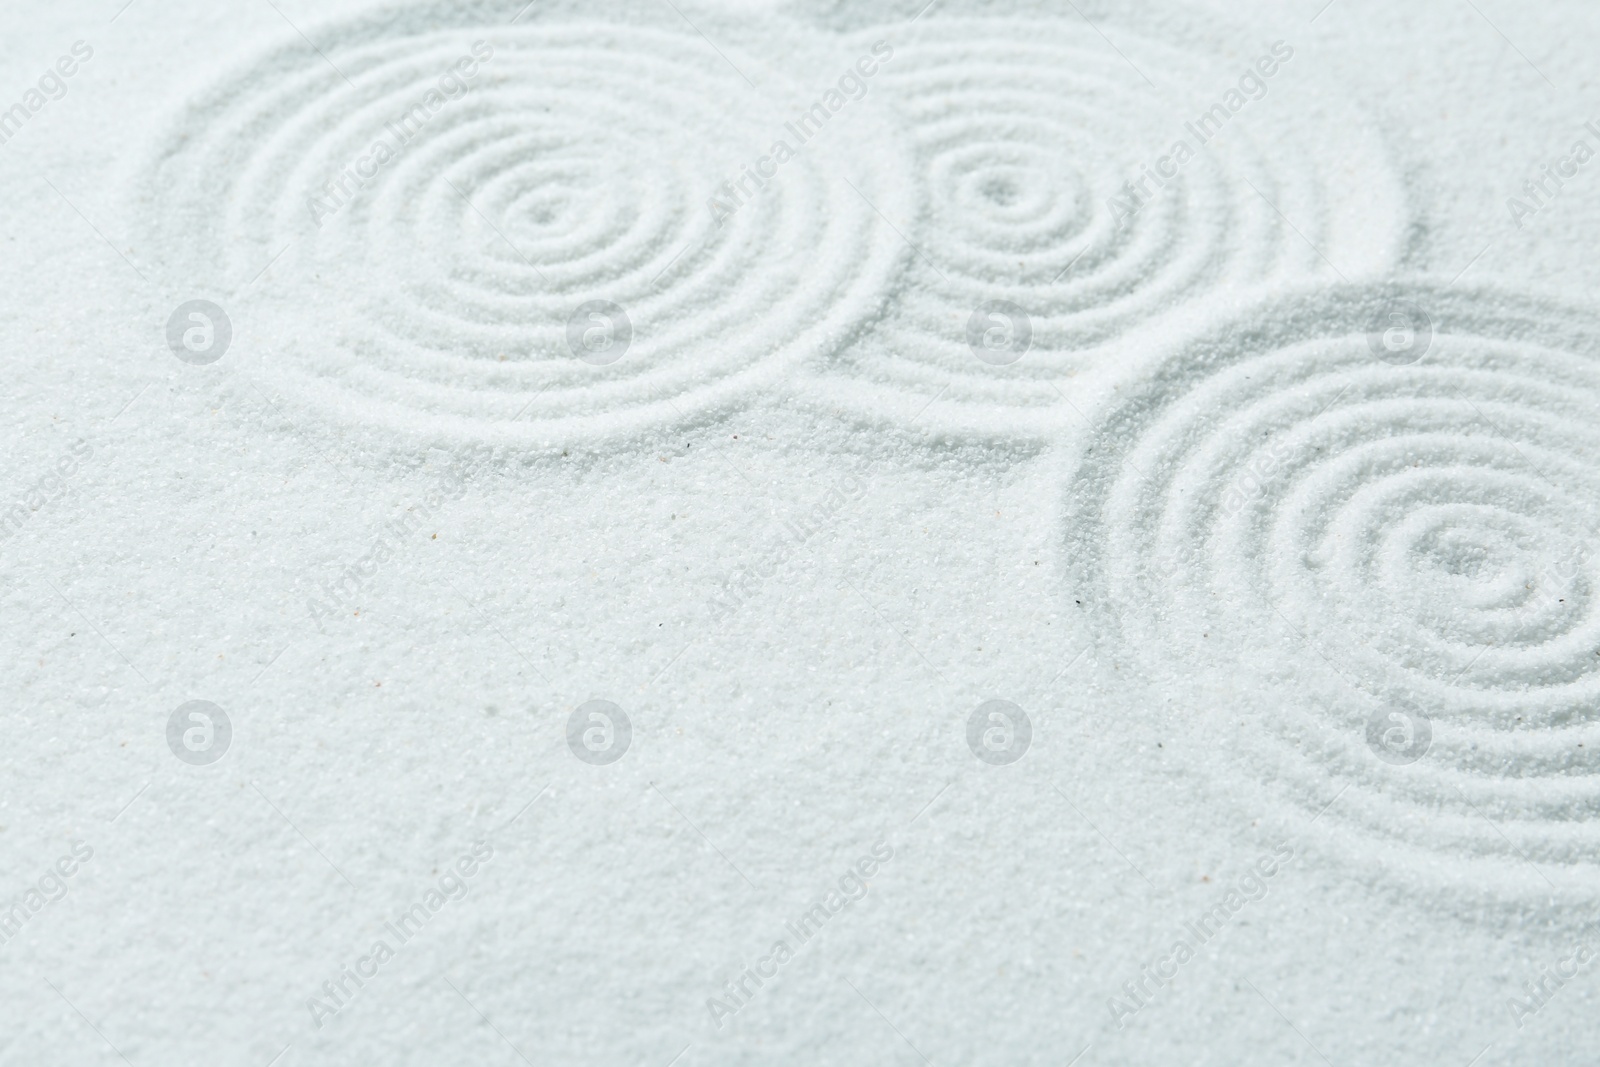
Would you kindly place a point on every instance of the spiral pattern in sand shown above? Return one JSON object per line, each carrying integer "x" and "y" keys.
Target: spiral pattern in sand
{"x": 1026, "y": 132}
{"x": 462, "y": 278}
{"x": 1332, "y": 537}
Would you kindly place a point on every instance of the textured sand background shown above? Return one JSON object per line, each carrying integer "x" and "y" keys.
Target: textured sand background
{"x": 552, "y": 541}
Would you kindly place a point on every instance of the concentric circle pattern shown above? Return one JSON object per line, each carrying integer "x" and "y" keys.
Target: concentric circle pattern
{"x": 1334, "y": 538}
{"x": 1027, "y": 137}
{"x": 449, "y": 203}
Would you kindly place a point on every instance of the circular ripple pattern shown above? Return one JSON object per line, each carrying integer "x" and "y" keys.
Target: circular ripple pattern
{"x": 446, "y": 215}
{"x": 1332, "y": 537}
{"x": 1025, "y": 134}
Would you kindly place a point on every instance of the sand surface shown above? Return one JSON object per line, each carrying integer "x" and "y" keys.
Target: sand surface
{"x": 804, "y": 533}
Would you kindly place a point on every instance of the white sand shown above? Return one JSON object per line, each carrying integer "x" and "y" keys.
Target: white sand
{"x": 903, "y": 598}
